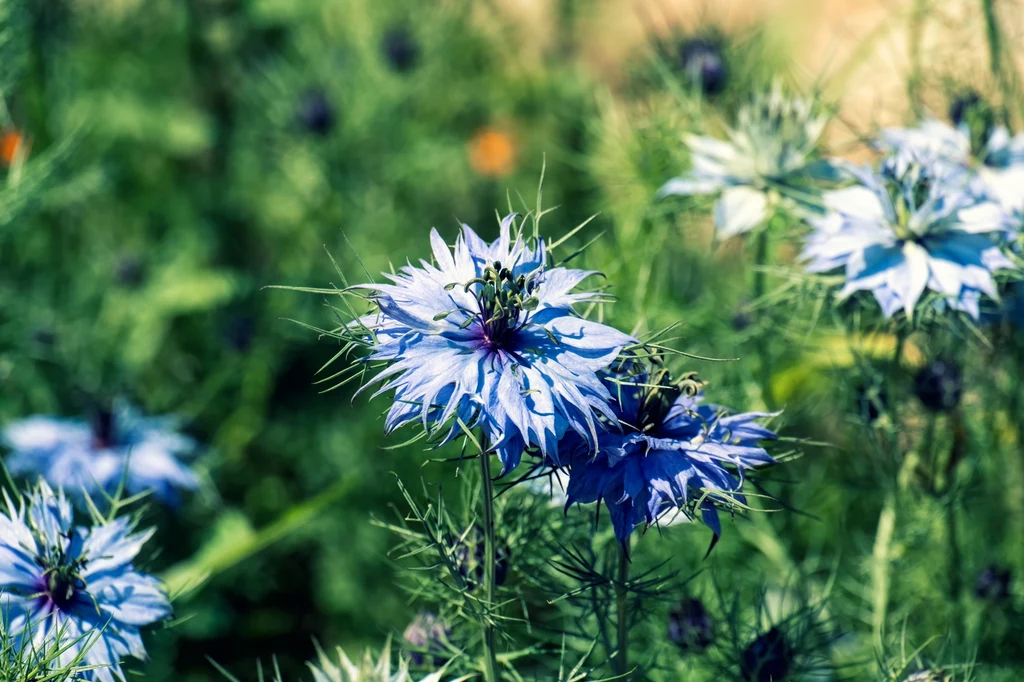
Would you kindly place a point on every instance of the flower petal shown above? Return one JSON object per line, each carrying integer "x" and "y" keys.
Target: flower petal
{"x": 739, "y": 209}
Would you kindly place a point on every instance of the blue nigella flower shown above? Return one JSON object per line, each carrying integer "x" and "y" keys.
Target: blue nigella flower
{"x": 487, "y": 336}
{"x": 914, "y": 225}
{"x": 76, "y": 584}
{"x": 673, "y": 456}
{"x": 87, "y": 457}
{"x": 771, "y": 146}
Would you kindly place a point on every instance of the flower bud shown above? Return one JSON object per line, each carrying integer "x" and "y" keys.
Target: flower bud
{"x": 993, "y": 584}
{"x": 768, "y": 658}
{"x": 428, "y": 633}
{"x": 470, "y": 556}
{"x": 939, "y": 386}
{"x": 400, "y": 50}
{"x": 690, "y": 626}
{"x": 315, "y": 114}
{"x": 702, "y": 63}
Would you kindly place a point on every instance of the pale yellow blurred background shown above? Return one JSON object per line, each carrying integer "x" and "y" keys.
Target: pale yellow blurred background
{"x": 862, "y": 51}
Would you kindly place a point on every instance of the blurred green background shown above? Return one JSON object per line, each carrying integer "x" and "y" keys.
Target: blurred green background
{"x": 166, "y": 160}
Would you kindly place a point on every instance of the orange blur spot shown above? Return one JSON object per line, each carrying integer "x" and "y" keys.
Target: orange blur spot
{"x": 492, "y": 152}
{"x": 10, "y": 144}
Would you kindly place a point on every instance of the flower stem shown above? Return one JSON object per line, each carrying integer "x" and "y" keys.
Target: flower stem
{"x": 917, "y": 20}
{"x": 880, "y": 569}
{"x": 487, "y": 495}
{"x": 881, "y": 553}
{"x": 758, "y": 291}
{"x": 994, "y": 37}
{"x": 622, "y": 612}
{"x": 955, "y": 579}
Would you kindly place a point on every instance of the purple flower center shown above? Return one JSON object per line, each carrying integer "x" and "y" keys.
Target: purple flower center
{"x": 501, "y": 299}
{"x": 62, "y": 583}
{"x": 104, "y": 432}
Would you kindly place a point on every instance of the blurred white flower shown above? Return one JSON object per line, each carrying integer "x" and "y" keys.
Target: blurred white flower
{"x": 774, "y": 141}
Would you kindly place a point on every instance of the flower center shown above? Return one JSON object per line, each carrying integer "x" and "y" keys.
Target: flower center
{"x": 907, "y": 192}
{"x": 103, "y": 429}
{"x": 63, "y": 580}
{"x": 501, "y": 300}
{"x": 659, "y": 394}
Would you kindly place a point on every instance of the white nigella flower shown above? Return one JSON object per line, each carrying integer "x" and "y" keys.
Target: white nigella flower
{"x": 773, "y": 142}
{"x": 997, "y": 160}
{"x": 912, "y": 226}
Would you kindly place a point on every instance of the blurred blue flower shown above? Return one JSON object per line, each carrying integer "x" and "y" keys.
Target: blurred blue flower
{"x": 75, "y": 584}
{"x": 488, "y": 337}
{"x": 772, "y": 144}
{"x": 674, "y": 456}
{"x": 997, "y": 163}
{"x": 914, "y": 225}
{"x": 82, "y": 457}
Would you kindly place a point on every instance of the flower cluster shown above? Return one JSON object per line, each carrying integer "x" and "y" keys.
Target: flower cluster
{"x": 119, "y": 444}
{"x": 487, "y": 337}
{"x": 772, "y": 144}
{"x": 75, "y": 585}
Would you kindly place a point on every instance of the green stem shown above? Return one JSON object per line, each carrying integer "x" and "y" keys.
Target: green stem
{"x": 917, "y": 19}
{"x": 994, "y": 37}
{"x": 955, "y": 578}
{"x": 622, "y": 613}
{"x": 37, "y": 92}
{"x": 757, "y": 292}
{"x": 487, "y": 623}
{"x": 880, "y": 555}
{"x": 893, "y": 385}
{"x": 928, "y": 452}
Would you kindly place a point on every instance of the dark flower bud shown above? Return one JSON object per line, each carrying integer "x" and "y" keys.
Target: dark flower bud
{"x": 130, "y": 272}
{"x": 702, "y": 63}
{"x": 44, "y": 337}
{"x": 315, "y": 114}
{"x": 767, "y": 659}
{"x": 939, "y": 386}
{"x": 964, "y": 103}
{"x": 690, "y": 626}
{"x": 993, "y": 584}
{"x": 238, "y": 332}
{"x": 470, "y": 556}
{"x": 400, "y": 49}
{"x": 742, "y": 319}
{"x": 974, "y": 113}
{"x": 103, "y": 428}
{"x": 871, "y": 402}
{"x": 426, "y": 633}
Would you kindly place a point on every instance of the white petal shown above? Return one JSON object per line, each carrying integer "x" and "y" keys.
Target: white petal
{"x": 1005, "y": 185}
{"x": 981, "y": 218}
{"x": 690, "y": 186}
{"x": 739, "y": 209}
{"x": 916, "y": 273}
{"x": 856, "y": 202}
